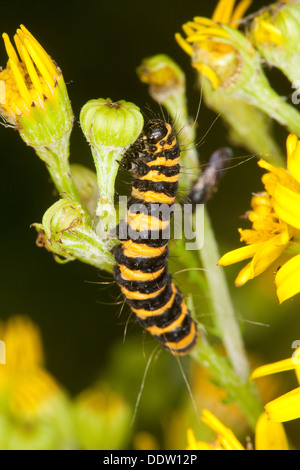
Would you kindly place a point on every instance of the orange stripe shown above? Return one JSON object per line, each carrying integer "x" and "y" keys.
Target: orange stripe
{"x": 142, "y": 313}
{"x": 158, "y": 177}
{"x": 142, "y": 222}
{"x": 162, "y": 161}
{"x": 134, "y": 250}
{"x": 185, "y": 342}
{"x": 152, "y": 196}
{"x": 136, "y": 275}
{"x": 136, "y": 295}
{"x": 155, "y": 330}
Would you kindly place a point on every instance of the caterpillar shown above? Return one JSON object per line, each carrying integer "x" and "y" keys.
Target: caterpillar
{"x": 142, "y": 256}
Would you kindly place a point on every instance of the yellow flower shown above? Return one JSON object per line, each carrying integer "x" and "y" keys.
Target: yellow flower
{"x": 287, "y": 406}
{"x": 34, "y": 410}
{"x": 102, "y": 419}
{"x": 163, "y": 75}
{"x": 207, "y": 41}
{"x": 268, "y": 435}
{"x": 275, "y": 34}
{"x": 33, "y": 93}
{"x": 277, "y": 25}
{"x": 232, "y": 79}
{"x": 23, "y": 380}
{"x": 265, "y": 32}
{"x": 275, "y": 218}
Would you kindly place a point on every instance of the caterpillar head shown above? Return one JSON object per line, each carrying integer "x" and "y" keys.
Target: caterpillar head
{"x": 155, "y": 130}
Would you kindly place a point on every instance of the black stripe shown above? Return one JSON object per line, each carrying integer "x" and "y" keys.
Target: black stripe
{"x": 170, "y": 189}
{"x": 168, "y": 154}
{"x": 143, "y": 169}
{"x": 179, "y": 333}
{"x": 151, "y": 238}
{"x": 154, "y": 303}
{"x": 186, "y": 349}
{"x": 145, "y": 265}
{"x": 166, "y": 318}
{"x": 144, "y": 287}
{"x": 161, "y": 211}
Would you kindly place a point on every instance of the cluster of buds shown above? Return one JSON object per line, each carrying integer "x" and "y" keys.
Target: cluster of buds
{"x": 34, "y": 101}
{"x": 36, "y": 411}
{"x": 229, "y": 64}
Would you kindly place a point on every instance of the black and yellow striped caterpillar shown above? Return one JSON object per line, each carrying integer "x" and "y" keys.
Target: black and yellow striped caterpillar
{"x": 142, "y": 257}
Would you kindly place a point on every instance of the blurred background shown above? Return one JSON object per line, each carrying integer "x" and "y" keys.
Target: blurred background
{"x": 98, "y": 45}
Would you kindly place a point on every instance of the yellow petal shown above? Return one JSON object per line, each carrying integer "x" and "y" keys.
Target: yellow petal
{"x": 281, "y": 174}
{"x": 269, "y": 33}
{"x": 223, "y": 11}
{"x": 291, "y": 143}
{"x": 2, "y": 92}
{"x": 227, "y": 438}
{"x": 270, "y": 435}
{"x": 268, "y": 253}
{"x": 244, "y": 275}
{"x": 202, "y": 21}
{"x": 193, "y": 444}
{"x": 293, "y": 159}
{"x": 20, "y": 82}
{"x": 238, "y": 13}
{"x": 273, "y": 368}
{"x": 287, "y": 205}
{"x": 250, "y": 237}
{"x": 284, "y": 408}
{"x": 10, "y": 48}
{"x": 240, "y": 254}
{"x": 287, "y": 279}
{"x": 266, "y": 165}
{"x": 183, "y": 44}
{"x": 209, "y": 73}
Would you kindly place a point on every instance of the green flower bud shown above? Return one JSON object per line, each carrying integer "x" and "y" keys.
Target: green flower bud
{"x": 108, "y": 124}
{"x": 164, "y": 77}
{"x": 102, "y": 419}
{"x": 64, "y": 231}
{"x": 110, "y": 128}
{"x": 276, "y": 35}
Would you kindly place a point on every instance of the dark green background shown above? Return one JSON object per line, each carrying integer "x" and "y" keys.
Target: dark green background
{"x": 98, "y": 45}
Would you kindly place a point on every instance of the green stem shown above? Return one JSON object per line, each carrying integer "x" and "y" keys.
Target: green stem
{"x": 223, "y": 309}
{"x": 243, "y": 394}
{"x": 278, "y": 109}
{"x": 57, "y": 163}
{"x": 106, "y": 163}
{"x": 61, "y": 177}
{"x": 248, "y": 126}
{"x": 87, "y": 248}
{"x": 176, "y": 107}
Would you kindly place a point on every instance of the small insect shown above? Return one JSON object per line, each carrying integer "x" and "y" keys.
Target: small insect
{"x": 142, "y": 257}
{"x": 208, "y": 181}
